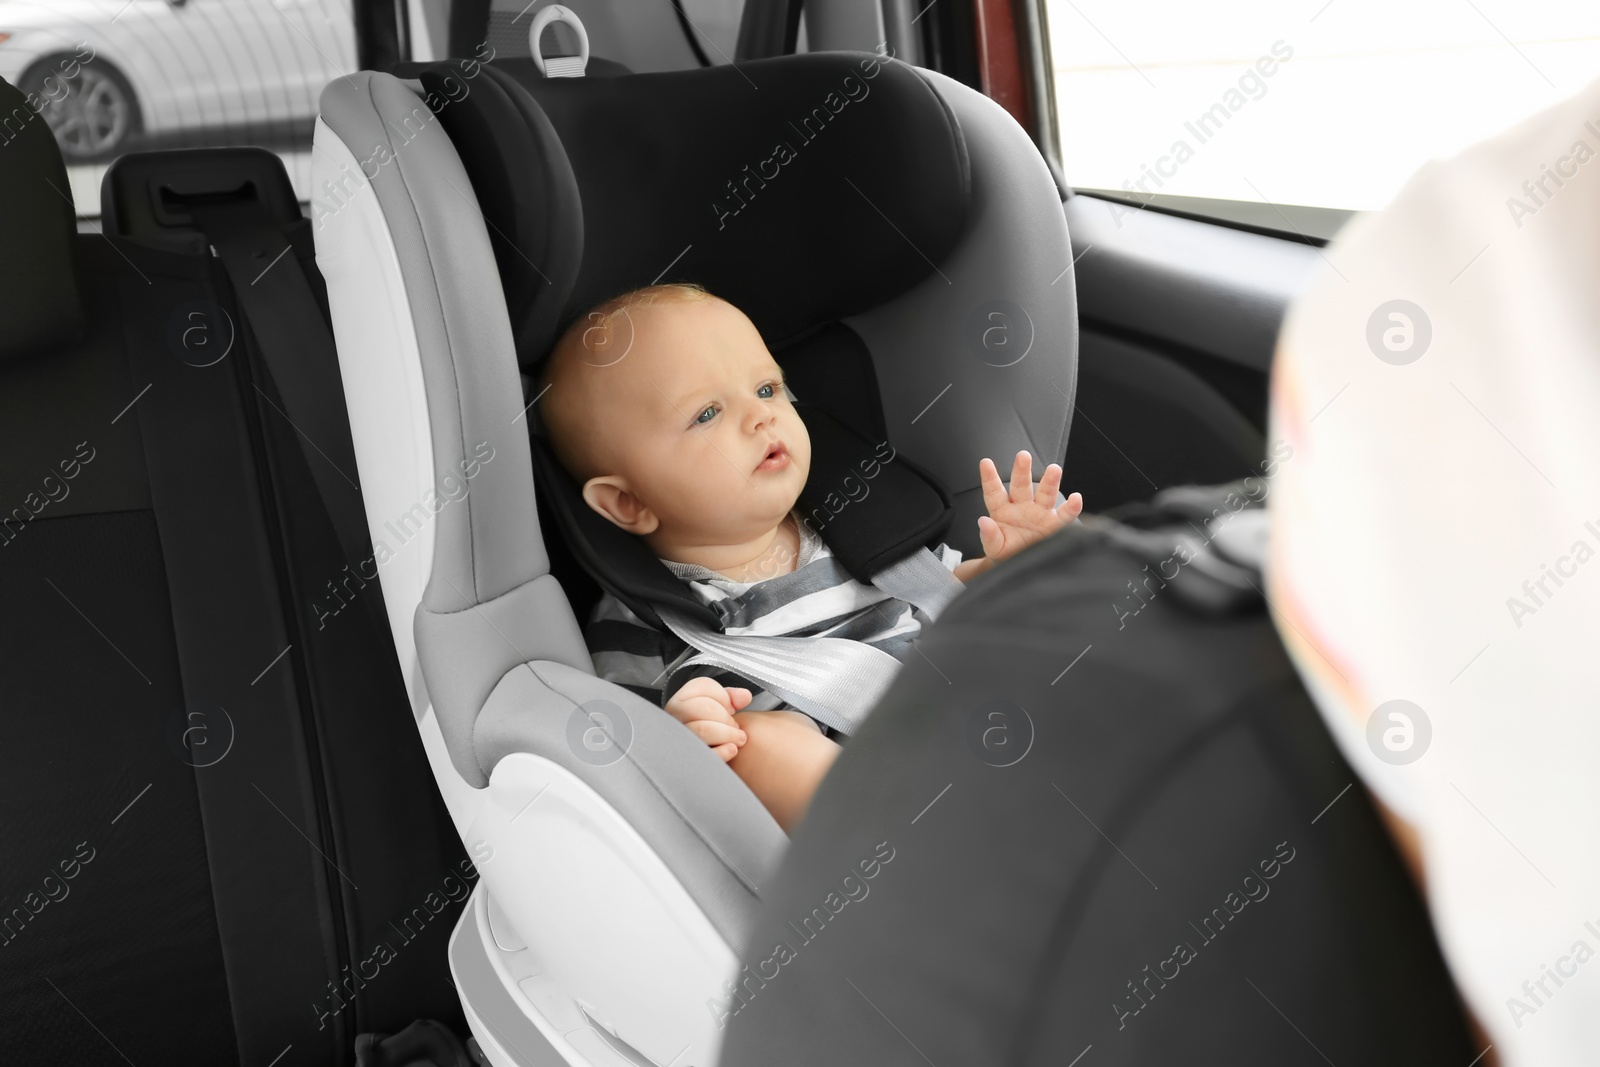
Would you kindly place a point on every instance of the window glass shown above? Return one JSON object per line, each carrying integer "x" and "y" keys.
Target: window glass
{"x": 641, "y": 36}
{"x": 114, "y": 76}
{"x": 1326, "y": 103}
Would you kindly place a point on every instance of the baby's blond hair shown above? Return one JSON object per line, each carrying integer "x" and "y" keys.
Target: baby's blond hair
{"x": 563, "y": 400}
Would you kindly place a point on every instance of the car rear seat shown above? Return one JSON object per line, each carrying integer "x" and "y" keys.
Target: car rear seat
{"x": 220, "y": 840}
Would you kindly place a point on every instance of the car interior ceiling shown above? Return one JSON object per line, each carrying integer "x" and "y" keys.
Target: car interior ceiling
{"x": 183, "y": 595}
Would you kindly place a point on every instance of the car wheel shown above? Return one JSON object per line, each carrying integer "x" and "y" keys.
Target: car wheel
{"x": 92, "y": 114}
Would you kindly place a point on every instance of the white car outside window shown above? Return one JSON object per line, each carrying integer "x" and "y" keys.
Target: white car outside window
{"x": 113, "y": 75}
{"x": 1326, "y": 103}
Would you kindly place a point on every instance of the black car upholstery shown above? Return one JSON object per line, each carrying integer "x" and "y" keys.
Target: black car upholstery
{"x": 220, "y": 840}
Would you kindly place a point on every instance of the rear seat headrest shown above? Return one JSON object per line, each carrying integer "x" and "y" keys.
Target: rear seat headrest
{"x": 40, "y": 307}
{"x": 804, "y": 189}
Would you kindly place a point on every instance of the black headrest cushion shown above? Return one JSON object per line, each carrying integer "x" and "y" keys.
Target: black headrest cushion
{"x": 39, "y": 302}
{"x": 803, "y": 189}
{"x": 526, "y": 190}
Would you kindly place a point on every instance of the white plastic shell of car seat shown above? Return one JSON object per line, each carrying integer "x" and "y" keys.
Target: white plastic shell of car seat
{"x": 610, "y": 925}
{"x": 600, "y": 945}
{"x": 559, "y": 66}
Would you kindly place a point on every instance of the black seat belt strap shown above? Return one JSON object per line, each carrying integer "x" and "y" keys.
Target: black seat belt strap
{"x": 286, "y": 320}
{"x": 274, "y": 886}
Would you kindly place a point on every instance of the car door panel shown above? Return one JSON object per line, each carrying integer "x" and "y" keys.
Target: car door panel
{"x": 1179, "y": 318}
{"x": 1199, "y": 284}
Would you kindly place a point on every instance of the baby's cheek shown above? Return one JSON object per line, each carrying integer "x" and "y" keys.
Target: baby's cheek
{"x": 682, "y": 477}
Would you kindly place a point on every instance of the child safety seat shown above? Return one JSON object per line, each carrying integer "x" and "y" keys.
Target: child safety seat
{"x": 899, "y": 243}
{"x": 881, "y": 537}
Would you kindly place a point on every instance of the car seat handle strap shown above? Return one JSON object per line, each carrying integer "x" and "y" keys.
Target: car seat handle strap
{"x": 559, "y": 66}
{"x": 835, "y": 681}
{"x": 922, "y": 580}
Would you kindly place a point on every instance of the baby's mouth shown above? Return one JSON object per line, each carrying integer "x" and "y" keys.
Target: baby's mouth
{"x": 777, "y": 458}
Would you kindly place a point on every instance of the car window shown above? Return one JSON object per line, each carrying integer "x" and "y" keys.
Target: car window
{"x": 114, "y": 76}
{"x": 1325, "y": 103}
{"x": 655, "y": 36}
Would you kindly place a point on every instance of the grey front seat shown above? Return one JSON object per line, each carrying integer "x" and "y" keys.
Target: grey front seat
{"x": 622, "y": 862}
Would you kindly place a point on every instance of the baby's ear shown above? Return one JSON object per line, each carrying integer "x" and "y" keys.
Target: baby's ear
{"x": 609, "y": 495}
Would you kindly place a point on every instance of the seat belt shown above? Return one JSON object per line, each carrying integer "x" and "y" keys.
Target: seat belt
{"x": 920, "y": 579}
{"x": 834, "y": 680}
{"x": 297, "y": 347}
{"x": 280, "y": 915}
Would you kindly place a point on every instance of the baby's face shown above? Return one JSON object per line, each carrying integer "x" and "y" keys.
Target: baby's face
{"x": 697, "y": 422}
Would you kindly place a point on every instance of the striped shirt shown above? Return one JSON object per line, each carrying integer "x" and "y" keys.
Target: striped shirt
{"x": 818, "y": 598}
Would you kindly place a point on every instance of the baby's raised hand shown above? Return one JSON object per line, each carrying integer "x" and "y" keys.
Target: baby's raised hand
{"x": 706, "y": 707}
{"x": 1020, "y": 517}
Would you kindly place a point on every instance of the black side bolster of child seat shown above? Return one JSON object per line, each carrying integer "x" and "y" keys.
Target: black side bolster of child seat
{"x": 524, "y": 186}
{"x": 1078, "y": 827}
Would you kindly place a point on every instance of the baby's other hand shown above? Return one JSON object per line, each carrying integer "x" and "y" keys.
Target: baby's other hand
{"x": 706, "y": 707}
{"x": 1021, "y": 516}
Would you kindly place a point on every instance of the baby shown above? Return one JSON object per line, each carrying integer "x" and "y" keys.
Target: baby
{"x": 666, "y": 407}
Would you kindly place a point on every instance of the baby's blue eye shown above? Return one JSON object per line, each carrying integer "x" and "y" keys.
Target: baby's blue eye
{"x": 766, "y": 391}
{"x": 706, "y": 415}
